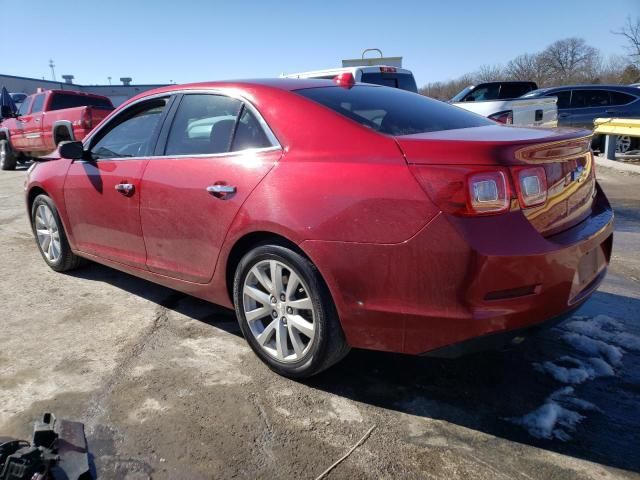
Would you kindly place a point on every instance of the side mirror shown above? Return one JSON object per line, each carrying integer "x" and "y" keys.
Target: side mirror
{"x": 71, "y": 150}
{"x": 5, "y": 112}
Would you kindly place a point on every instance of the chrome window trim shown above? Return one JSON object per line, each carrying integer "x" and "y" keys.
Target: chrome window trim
{"x": 236, "y": 153}
{"x": 275, "y": 143}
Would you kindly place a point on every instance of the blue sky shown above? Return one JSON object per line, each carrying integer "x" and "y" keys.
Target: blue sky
{"x": 186, "y": 41}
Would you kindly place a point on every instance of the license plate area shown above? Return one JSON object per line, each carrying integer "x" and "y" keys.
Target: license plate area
{"x": 591, "y": 264}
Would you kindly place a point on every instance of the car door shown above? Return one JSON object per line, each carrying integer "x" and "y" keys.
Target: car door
{"x": 18, "y": 139}
{"x": 586, "y": 106}
{"x": 102, "y": 194}
{"x": 212, "y": 155}
{"x": 32, "y": 124}
{"x": 563, "y": 104}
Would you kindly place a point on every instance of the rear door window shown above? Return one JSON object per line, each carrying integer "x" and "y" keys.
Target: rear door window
{"x": 514, "y": 90}
{"x": 203, "y": 124}
{"x": 590, "y": 98}
{"x": 393, "y": 111}
{"x": 619, "y": 98}
{"x": 249, "y": 133}
{"x": 37, "y": 103}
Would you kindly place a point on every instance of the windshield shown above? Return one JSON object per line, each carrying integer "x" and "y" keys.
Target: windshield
{"x": 535, "y": 93}
{"x": 393, "y": 111}
{"x": 462, "y": 94}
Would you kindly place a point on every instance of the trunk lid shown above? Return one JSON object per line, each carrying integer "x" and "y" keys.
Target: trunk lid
{"x": 565, "y": 156}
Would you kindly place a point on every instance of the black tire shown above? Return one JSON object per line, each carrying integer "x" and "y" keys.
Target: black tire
{"x": 328, "y": 345}
{"x": 67, "y": 260}
{"x": 7, "y": 156}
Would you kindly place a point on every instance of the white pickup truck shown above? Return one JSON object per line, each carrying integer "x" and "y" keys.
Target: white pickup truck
{"x": 499, "y": 101}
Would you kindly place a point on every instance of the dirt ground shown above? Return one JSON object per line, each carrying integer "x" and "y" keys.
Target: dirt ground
{"x": 167, "y": 387}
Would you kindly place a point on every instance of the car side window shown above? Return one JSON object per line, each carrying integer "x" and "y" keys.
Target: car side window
{"x": 249, "y": 133}
{"x": 24, "y": 106}
{"x": 564, "y": 98}
{"x": 484, "y": 92}
{"x": 589, "y": 98}
{"x": 619, "y": 98}
{"x": 37, "y": 103}
{"x": 203, "y": 124}
{"x": 131, "y": 133}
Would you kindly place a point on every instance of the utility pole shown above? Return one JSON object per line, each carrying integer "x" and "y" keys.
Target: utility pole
{"x": 52, "y": 67}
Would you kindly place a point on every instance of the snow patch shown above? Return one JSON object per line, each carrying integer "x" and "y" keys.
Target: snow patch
{"x": 556, "y": 417}
{"x": 600, "y": 343}
{"x": 588, "y": 345}
{"x": 573, "y": 370}
{"x": 606, "y": 329}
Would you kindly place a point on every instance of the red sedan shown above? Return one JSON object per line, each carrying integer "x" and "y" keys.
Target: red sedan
{"x": 332, "y": 215}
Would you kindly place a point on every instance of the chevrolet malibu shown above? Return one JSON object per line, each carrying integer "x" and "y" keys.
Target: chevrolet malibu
{"x": 332, "y": 215}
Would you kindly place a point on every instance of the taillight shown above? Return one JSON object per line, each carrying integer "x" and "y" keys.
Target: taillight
{"x": 345, "y": 80}
{"x": 488, "y": 192}
{"x": 532, "y": 185}
{"x": 388, "y": 70}
{"x": 505, "y": 117}
{"x": 466, "y": 190}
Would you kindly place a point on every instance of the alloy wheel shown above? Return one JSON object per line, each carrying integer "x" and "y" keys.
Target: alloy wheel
{"x": 623, "y": 144}
{"x": 48, "y": 233}
{"x": 279, "y": 310}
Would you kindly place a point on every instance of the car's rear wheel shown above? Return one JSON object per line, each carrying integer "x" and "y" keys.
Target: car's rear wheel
{"x": 50, "y": 236}
{"x": 623, "y": 144}
{"x": 286, "y": 313}
{"x": 7, "y": 156}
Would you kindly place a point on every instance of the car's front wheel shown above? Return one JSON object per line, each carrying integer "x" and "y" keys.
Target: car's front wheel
{"x": 7, "y": 156}
{"x": 50, "y": 235}
{"x": 286, "y": 313}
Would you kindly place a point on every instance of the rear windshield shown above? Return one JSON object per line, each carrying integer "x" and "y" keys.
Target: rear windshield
{"x": 63, "y": 100}
{"x": 393, "y": 111}
{"x": 404, "y": 81}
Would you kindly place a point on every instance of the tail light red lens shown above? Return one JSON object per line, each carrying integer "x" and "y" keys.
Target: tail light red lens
{"x": 532, "y": 185}
{"x": 505, "y": 117}
{"x": 466, "y": 190}
{"x": 388, "y": 69}
{"x": 345, "y": 80}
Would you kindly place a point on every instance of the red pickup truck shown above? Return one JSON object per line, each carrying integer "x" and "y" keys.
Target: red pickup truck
{"x": 46, "y": 119}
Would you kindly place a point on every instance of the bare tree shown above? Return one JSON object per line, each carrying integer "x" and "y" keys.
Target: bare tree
{"x": 489, "y": 73}
{"x": 566, "y": 61}
{"x": 570, "y": 60}
{"x": 631, "y": 32}
{"x": 525, "y": 67}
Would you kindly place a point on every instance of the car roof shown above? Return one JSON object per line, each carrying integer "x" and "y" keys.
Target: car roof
{"x": 339, "y": 70}
{"x": 286, "y": 84}
{"x": 596, "y": 86}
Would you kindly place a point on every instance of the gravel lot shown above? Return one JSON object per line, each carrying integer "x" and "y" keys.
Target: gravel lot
{"x": 167, "y": 387}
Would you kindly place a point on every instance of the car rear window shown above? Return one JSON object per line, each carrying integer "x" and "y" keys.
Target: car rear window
{"x": 62, "y": 100}
{"x": 514, "y": 90}
{"x": 404, "y": 81}
{"x": 393, "y": 111}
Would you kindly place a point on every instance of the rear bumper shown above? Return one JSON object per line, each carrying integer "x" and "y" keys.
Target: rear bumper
{"x": 463, "y": 278}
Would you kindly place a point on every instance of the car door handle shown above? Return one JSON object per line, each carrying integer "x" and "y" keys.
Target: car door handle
{"x": 126, "y": 189}
{"x": 564, "y": 115}
{"x": 610, "y": 111}
{"x": 221, "y": 191}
